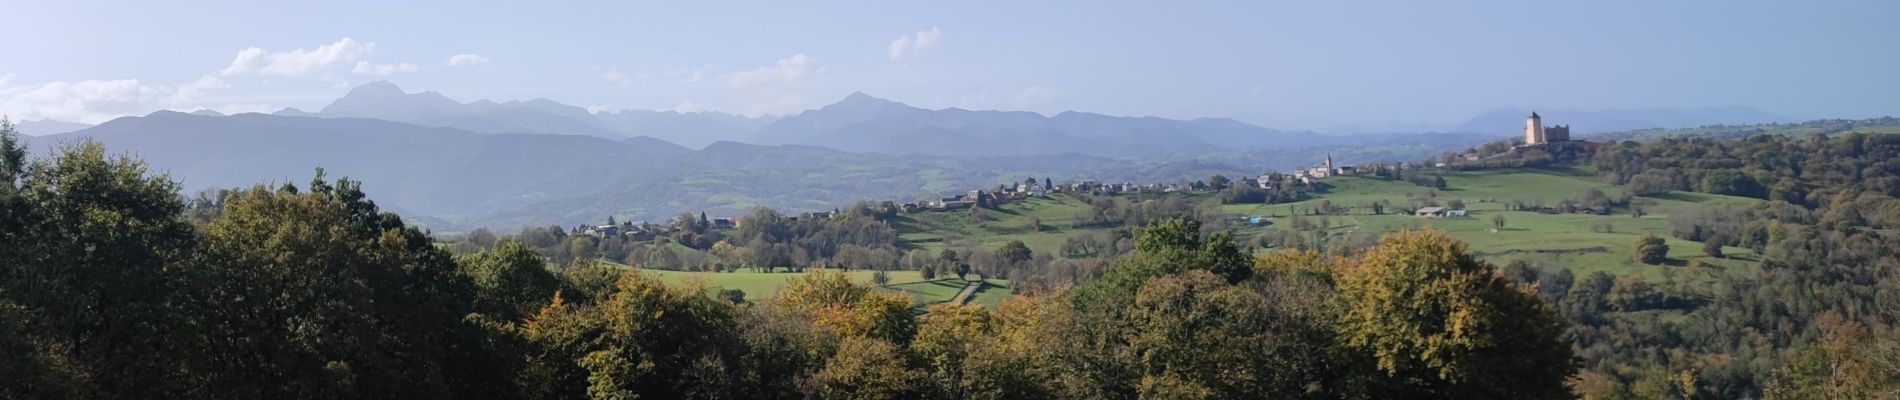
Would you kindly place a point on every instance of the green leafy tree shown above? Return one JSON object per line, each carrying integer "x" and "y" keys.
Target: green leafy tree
{"x": 511, "y": 282}
{"x": 1439, "y": 322}
{"x": 91, "y": 245}
{"x": 1015, "y": 251}
{"x": 1218, "y": 182}
{"x": 332, "y": 288}
{"x": 1193, "y": 335}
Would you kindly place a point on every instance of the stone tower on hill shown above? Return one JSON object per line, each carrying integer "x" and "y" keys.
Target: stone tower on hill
{"x": 1536, "y": 133}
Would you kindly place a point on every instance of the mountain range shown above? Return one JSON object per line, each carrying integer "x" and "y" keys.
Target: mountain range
{"x": 455, "y": 165}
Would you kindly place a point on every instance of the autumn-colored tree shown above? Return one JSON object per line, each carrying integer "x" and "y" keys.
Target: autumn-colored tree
{"x": 1651, "y": 249}
{"x": 661, "y": 341}
{"x": 1306, "y": 263}
{"x": 831, "y": 299}
{"x": 868, "y": 368}
{"x": 1441, "y": 323}
{"x": 946, "y": 336}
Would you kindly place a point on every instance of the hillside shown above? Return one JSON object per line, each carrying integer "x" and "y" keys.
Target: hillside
{"x": 1559, "y": 240}
{"x": 1725, "y": 131}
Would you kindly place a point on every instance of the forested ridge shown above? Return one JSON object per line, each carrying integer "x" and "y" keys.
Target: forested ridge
{"x": 115, "y": 286}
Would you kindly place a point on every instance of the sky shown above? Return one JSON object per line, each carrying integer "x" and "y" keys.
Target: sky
{"x": 1290, "y": 65}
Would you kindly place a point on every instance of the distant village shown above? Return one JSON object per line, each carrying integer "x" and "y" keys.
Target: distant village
{"x": 1031, "y": 188}
{"x": 1535, "y": 135}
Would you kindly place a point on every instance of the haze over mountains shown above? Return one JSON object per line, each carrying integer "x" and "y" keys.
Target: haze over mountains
{"x": 453, "y": 164}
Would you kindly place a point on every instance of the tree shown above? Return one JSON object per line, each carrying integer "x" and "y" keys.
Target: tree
{"x": 1713, "y": 246}
{"x": 1218, "y": 182}
{"x": 1630, "y": 293}
{"x": 483, "y": 237}
{"x": 1015, "y": 251}
{"x": 510, "y": 282}
{"x": 946, "y": 337}
{"x": 1497, "y": 221}
{"x": 866, "y": 368}
{"x": 92, "y": 245}
{"x": 283, "y": 269}
{"x": 1651, "y": 249}
{"x": 649, "y": 340}
{"x": 1193, "y": 335}
{"x": 1437, "y": 321}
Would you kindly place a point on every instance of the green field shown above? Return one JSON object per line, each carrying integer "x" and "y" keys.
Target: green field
{"x": 765, "y": 285}
{"x": 1559, "y": 240}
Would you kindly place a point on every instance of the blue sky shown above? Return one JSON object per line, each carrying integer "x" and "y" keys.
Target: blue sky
{"x": 1298, "y": 65}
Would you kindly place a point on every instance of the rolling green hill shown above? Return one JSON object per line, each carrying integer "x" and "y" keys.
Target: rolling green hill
{"x": 1573, "y": 241}
{"x": 1566, "y": 240}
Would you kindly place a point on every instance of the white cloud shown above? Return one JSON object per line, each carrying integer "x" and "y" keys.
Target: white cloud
{"x": 689, "y": 106}
{"x": 367, "y": 68}
{"x": 190, "y": 92}
{"x": 908, "y": 45}
{"x": 460, "y": 60}
{"x": 5, "y": 80}
{"x": 96, "y": 101}
{"x": 90, "y": 101}
{"x": 613, "y": 74}
{"x": 298, "y": 62}
{"x": 694, "y": 77}
{"x": 787, "y": 72}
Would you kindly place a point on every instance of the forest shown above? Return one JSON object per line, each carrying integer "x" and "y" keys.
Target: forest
{"x": 118, "y": 287}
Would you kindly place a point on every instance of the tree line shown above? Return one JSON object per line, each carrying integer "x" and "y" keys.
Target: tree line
{"x": 1807, "y": 313}
{"x": 118, "y": 287}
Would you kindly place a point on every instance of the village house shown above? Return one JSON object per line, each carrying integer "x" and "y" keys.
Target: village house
{"x": 602, "y": 231}
{"x": 1438, "y": 212}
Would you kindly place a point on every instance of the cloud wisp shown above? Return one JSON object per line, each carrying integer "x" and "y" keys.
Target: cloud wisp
{"x": 908, "y": 45}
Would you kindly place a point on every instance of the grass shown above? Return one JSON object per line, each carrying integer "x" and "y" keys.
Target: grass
{"x": 1568, "y": 241}
{"x": 1559, "y": 240}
